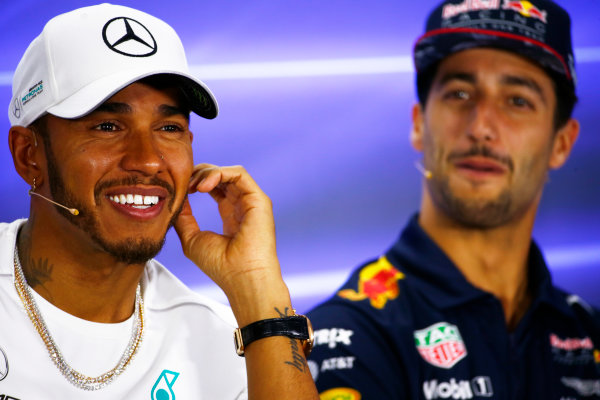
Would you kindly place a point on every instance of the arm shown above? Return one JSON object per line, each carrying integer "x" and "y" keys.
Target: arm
{"x": 243, "y": 262}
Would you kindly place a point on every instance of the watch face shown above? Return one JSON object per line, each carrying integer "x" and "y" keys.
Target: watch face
{"x": 308, "y": 344}
{"x": 238, "y": 342}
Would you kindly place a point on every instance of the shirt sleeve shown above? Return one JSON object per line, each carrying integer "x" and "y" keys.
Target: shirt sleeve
{"x": 353, "y": 357}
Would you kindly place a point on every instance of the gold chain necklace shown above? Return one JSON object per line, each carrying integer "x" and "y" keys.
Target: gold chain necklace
{"x": 76, "y": 378}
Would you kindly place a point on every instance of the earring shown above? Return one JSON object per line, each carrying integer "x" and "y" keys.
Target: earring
{"x": 162, "y": 157}
{"x": 32, "y": 187}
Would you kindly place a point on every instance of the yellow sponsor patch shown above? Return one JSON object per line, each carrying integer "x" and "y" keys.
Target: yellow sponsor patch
{"x": 377, "y": 282}
{"x": 597, "y": 356}
{"x": 341, "y": 393}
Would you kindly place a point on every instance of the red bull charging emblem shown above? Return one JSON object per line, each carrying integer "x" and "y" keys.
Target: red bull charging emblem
{"x": 526, "y": 9}
{"x": 377, "y": 282}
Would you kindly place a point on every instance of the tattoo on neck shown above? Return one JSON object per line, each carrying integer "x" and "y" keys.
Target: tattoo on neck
{"x": 298, "y": 360}
{"x": 38, "y": 273}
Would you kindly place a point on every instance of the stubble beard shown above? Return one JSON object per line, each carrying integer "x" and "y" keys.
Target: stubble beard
{"x": 473, "y": 213}
{"x": 133, "y": 250}
{"x": 476, "y": 214}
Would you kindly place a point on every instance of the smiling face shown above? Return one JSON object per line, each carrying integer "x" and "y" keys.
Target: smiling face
{"x": 488, "y": 138}
{"x": 125, "y": 167}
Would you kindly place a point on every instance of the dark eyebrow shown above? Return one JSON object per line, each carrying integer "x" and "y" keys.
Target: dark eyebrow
{"x": 117, "y": 108}
{"x": 124, "y": 108}
{"x": 460, "y": 76}
{"x": 168, "y": 111}
{"x": 524, "y": 82}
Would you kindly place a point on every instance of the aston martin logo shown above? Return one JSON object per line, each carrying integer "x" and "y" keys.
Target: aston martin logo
{"x": 128, "y": 37}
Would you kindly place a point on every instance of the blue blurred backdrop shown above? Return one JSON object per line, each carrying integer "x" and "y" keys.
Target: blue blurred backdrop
{"x": 315, "y": 101}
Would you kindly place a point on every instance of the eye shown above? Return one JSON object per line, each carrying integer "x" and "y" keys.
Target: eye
{"x": 457, "y": 94}
{"x": 171, "y": 128}
{"x": 106, "y": 126}
{"x": 520, "y": 102}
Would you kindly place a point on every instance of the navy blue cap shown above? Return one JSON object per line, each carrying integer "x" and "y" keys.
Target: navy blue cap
{"x": 539, "y": 30}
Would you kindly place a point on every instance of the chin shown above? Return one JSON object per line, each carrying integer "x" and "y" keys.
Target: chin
{"x": 132, "y": 250}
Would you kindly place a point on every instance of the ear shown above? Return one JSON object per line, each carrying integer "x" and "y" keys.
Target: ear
{"x": 416, "y": 132}
{"x": 563, "y": 142}
{"x": 26, "y": 152}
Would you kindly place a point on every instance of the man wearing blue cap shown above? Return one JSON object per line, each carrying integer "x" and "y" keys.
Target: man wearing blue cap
{"x": 100, "y": 130}
{"x": 462, "y": 306}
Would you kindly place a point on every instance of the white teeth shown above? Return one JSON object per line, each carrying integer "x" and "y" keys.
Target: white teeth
{"x": 136, "y": 200}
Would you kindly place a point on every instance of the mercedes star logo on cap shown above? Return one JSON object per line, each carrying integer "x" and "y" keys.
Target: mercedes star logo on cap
{"x": 128, "y": 37}
{"x": 17, "y": 110}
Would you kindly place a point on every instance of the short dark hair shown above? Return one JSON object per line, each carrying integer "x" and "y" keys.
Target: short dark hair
{"x": 565, "y": 95}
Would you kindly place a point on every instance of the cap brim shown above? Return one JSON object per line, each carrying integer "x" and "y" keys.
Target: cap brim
{"x": 438, "y": 44}
{"x": 87, "y": 99}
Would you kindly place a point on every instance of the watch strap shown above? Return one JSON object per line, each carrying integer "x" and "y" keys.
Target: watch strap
{"x": 295, "y": 327}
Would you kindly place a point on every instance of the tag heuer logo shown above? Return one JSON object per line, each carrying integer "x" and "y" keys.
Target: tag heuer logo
{"x": 440, "y": 345}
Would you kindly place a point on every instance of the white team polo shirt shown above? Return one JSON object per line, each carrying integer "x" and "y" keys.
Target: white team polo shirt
{"x": 186, "y": 352}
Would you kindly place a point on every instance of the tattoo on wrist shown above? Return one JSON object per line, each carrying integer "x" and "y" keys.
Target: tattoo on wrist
{"x": 298, "y": 360}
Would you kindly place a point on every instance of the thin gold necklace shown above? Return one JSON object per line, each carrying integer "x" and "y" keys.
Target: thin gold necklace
{"x": 76, "y": 378}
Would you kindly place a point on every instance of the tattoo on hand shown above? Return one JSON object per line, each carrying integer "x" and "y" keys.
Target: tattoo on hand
{"x": 298, "y": 360}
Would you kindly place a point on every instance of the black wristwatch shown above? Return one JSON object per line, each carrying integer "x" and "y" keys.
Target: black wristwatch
{"x": 296, "y": 327}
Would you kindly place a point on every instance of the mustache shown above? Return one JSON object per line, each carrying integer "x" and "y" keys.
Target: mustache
{"x": 132, "y": 181}
{"x": 483, "y": 151}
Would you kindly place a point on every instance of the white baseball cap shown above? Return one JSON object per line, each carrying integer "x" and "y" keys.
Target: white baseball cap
{"x": 85, "y": 56}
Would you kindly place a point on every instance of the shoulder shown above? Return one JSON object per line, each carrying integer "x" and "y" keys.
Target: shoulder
{"x": 164, "y": 292}
{"x": 8, "y": 237}
{"x": 376, "y": 291}
{"x": 365, "y": 326}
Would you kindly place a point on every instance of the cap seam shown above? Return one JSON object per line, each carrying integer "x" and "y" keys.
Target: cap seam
{"x": 499, "y": 34}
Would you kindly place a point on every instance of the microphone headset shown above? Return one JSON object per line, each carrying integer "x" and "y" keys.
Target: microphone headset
{"x": 73, "y": 211}
{"x": 426, "y": 173}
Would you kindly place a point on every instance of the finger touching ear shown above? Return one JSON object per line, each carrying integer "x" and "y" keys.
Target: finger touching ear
{"x": 563, "y": 143}
{"x": 416, "y": 132}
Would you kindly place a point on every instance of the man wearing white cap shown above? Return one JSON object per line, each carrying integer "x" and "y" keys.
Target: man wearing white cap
{"x": 100, "y": 130}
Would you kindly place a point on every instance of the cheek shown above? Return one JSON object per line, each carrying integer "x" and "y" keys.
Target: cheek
{"x": 181, "y": 167}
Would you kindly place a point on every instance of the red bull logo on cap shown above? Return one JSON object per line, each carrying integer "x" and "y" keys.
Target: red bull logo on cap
{"x": 377, "y": 282}
{"x": 450, "y": 10}
{"x": 526, "y": 9}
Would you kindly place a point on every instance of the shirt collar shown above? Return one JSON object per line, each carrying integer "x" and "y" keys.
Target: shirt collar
{"x": 436, "y": 276}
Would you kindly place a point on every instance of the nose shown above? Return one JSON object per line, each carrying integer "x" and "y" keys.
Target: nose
{"x": 483, "y": 122}
{"x": 142, "y": 154}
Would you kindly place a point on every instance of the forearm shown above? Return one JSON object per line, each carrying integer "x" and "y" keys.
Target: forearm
{"x": 276, "y": 365}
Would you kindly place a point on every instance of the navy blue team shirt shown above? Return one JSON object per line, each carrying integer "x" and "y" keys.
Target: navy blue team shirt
{"x": 410, "y": 326}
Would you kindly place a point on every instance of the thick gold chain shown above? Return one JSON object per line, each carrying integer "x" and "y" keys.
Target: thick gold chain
{"x": 76, "y": 378}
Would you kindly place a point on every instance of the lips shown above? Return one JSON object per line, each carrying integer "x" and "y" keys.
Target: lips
{"x": 137, "y": 202}
{"x": 481, "y": 166}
